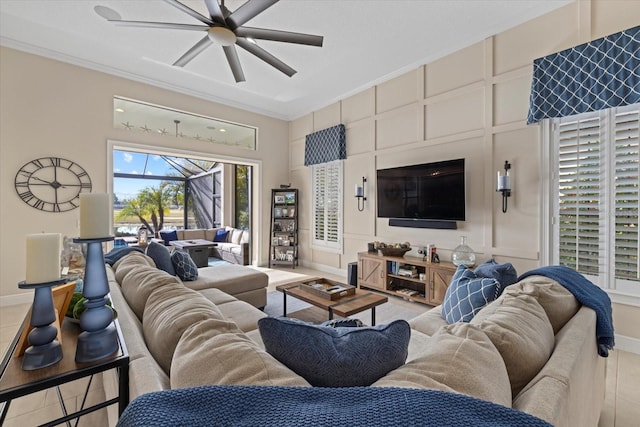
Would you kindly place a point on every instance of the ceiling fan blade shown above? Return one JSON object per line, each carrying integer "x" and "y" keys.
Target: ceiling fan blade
{"x": 164, "y": 25}
{"x": 197, "y": 48}
{"x": 249, "y": 10}
{"x": 190, "y": 11}
{"x": 234, "y": 62}
{"x": 107, "y": 13}
{"x": 215, "y": 11}
{"x": 265, "y": 56}
{"x": 279, "y": 36}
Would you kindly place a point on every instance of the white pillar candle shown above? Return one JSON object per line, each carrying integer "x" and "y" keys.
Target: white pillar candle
{"x": 94, "y": 215}
{"x": 359, "y": 191}
{"x": 43, "y": 257}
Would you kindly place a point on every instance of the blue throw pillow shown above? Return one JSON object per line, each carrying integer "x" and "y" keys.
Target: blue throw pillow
{"x": 503, "y": 273}
{"x": 186, "y": 269}
{"x": 336, "y": 357}
{"x": 467, "y": 294}
{"x": 161, "y": 256}
{"x": 221, "y": 236}
{"x": 169, "y": 236}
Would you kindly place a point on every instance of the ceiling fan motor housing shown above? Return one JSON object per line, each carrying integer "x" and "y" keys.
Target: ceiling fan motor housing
{"x": 221, "y": 35}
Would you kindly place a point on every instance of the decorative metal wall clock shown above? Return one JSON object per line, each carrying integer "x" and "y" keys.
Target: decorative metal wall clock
{"x": 52, "y": 184}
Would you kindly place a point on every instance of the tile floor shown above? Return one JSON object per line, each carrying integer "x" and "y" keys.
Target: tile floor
{"x": 621, "y": 407}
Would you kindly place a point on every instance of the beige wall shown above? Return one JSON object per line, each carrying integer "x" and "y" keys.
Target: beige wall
{"x": 50, "y": 108}
{"x": 473, "y": 104}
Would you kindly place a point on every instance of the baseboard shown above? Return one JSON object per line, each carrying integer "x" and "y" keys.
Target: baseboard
{"x": 325, "y": 268}
{"x": 17, "y": 299}
{"x": 630, "y": 344}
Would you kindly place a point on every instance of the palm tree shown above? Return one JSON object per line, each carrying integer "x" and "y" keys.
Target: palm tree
{"x": 156, "y": 201}
{"x": 133, "y": 207}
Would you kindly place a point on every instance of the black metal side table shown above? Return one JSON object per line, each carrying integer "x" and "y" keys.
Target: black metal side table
{"x": 16, "y": 382}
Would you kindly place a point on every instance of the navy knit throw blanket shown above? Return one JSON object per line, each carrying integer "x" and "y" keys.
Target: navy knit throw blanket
{"x": 270, "y": 406}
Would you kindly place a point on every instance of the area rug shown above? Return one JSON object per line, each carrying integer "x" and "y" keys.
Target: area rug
{"x": 395, "y": 308}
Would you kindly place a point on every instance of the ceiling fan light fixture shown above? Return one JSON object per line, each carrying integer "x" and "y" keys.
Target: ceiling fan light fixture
{"x": 221, "y": 35}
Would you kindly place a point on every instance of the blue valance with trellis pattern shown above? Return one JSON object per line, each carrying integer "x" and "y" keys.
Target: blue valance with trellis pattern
{"x": 593, "y": 76}
{"x": 325, "y": 145}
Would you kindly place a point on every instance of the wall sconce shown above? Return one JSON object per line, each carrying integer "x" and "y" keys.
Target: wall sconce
{"x": 504, "y": 185}
{"x": 360, "y": 194}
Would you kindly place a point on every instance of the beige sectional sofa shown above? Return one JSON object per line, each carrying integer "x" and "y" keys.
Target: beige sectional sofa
{"x": 533, "y": 349}
{"x": 235, "y": 249}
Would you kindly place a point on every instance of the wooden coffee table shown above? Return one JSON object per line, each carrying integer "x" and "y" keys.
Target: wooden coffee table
{"x": 198, "y": 250}
{"x": 343, "y": 307}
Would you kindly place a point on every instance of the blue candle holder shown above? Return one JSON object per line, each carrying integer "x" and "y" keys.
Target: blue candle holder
{"x": 45, "y": 349}
{"x": 99, "y": 339}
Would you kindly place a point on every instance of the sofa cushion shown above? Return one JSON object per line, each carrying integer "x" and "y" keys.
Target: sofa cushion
{"x": 185, "y": 268}
{"x": 216, "y": 296}
{"x": 161, "y": 256}
{"x": 429, "y": 322}
{"x": 519, "y": 328}
{"x": 167, "y": 314}
{"x": 336, "y": 357}
{"x": 221, "y": 236}
{"x": 505, "y": 273}
{"x": 559, "y": 304}
{"x": 215, "y": 351}
{"x": 168, "y": 236}
{"x": 467, "y": 294}
{"x": 236, "y": 236}
{"x": 230, "y": 278}
{"x": 243, "y": 314}
{"x": 130, "y": 262}
{"x": 459, "y": 358}
{"x": 138, "y": 284}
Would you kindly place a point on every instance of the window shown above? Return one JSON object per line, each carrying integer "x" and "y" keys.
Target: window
{"x": 242, "y": 210}
{"x": 327, "y": 206}
{"x": 595, "y": 192}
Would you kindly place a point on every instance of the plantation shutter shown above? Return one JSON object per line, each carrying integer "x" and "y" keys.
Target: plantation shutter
{"x": 327, "y": 205}
{"x": 627, "y": 181}
{"x": 580, "y": 213}
{"x": 598, "y": 184}
{"x": 319, "y": 213}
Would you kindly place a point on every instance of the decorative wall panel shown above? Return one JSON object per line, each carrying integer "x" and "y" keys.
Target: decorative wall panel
{"x": 453, "y": 115}
{"x": 397, "y": 92}
{"x": 398, "y": 128}
{"x": 459, "y": 69}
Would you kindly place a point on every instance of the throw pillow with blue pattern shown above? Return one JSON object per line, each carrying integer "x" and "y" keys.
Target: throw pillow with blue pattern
{"x": 467, "y": 294}
{"x": 185, "y": 268}
{"x": 336, "y": 357}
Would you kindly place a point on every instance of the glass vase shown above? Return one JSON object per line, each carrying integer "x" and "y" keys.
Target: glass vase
{"x": 463, "y": 254}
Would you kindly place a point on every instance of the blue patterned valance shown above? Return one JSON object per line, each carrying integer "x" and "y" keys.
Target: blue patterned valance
{"x": 593, "y": 76}
{"x": 325, "y": 145}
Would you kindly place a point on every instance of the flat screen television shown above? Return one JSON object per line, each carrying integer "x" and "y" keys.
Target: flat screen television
{"x": 433, "y": 191}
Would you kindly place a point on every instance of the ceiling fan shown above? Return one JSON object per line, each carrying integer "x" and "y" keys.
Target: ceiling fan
{"x": 227, "y": 29}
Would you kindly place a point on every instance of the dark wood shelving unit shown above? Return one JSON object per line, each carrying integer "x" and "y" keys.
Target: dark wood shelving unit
{"x": 283, "y": 245}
